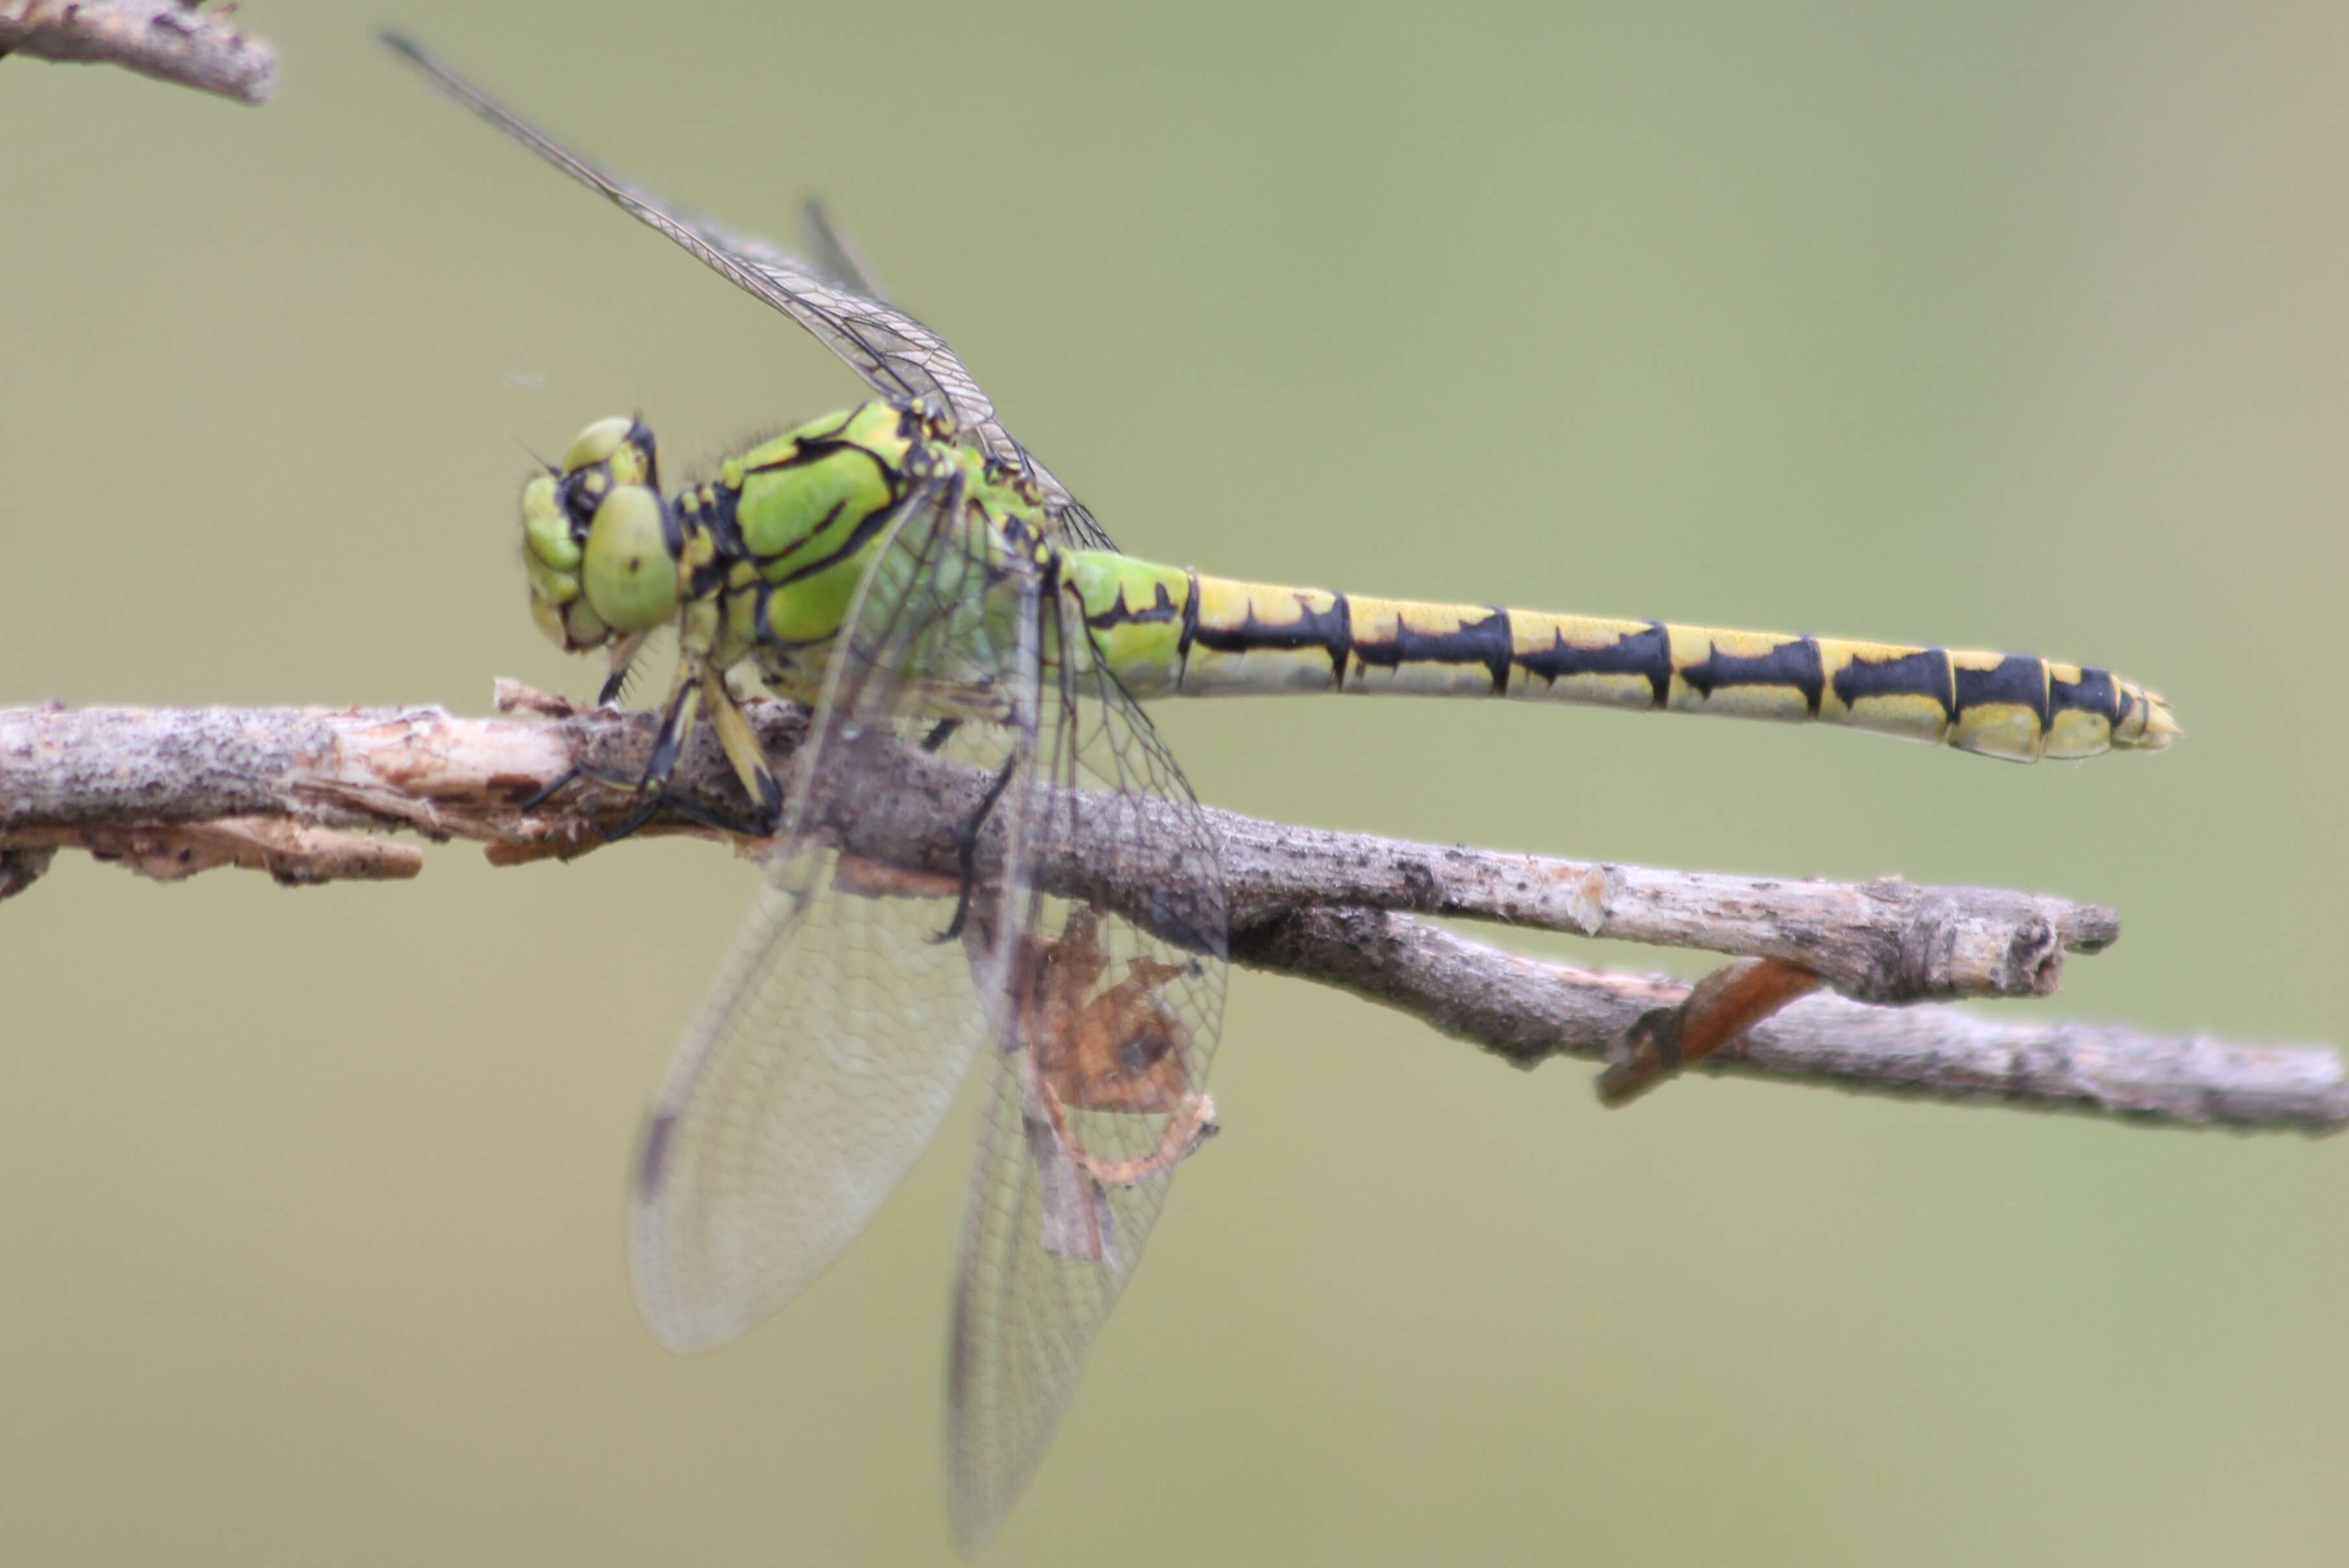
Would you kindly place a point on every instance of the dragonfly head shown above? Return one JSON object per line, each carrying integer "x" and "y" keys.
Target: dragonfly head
{"x": 600, "y": 544}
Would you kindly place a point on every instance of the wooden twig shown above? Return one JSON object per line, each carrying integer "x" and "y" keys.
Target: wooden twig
{"x": 1527, "y": 1010}
{"x": 1886, "y": 941}
{"x": 171, "y": 791}
{"x": 179, "y": 41}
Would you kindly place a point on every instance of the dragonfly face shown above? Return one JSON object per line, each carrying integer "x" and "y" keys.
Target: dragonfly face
{"x": 600, "y": 545}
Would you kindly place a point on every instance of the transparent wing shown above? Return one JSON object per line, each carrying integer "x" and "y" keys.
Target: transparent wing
{"x": 836, "y": 255}
{"x": 817, "y": 1073}
{"x": 1116, "y": 990}
{"x": 833, "y": 1042}
{"x": 895, "y": 355}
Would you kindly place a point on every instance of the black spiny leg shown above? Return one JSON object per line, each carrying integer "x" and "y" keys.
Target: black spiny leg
{"x": 654, "y": 782}
{"x": 624, "y": 669}
{"x": 967, "y": 848}
{"x": 563, "y": 781}
{"x": 756, "y": 825}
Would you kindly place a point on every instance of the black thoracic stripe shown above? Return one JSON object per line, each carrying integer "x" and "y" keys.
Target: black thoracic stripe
{"x": 1331, "y": 630}
{"x": 815, "y": 449}
{"x": 830, "y": 516}
{"x": 1643, "y": 653}
{"x": 698, "y": 510}
{"x": 709, "y": 575}
{"x": 813, "y": 444}
{"x": 1925, "y": 673}
{"x": 1122, "y": 614}
{"x": 2095, "y": 692}
{"x": 1488, "y": 642}
{"x": 1793, "y": 663}
{"x": 799, "y": 457}
{"x": 867, "y": 526}
{"x": 2017, "y": 678}
{"x": 642, "y": 438}
{"x": 1190, "y": 618}
{"x": 718, "y": 519}
{"x": 807, "y": 452}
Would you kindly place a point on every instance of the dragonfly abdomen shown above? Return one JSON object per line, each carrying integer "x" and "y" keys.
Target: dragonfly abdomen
{"x": 1174, "y": 632}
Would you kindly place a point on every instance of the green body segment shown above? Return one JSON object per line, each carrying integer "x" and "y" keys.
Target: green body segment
{"x": 1168, "y": 632}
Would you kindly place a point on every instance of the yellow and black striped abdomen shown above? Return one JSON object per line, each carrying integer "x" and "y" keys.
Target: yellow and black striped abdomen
{"x": 1181, "y": 632}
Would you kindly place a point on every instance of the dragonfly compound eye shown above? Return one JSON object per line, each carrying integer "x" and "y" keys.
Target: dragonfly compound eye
{"x": 630, "y": 567}
{"x": 596, "y": 444}
{"x": 575, "y": 585}
{"x": 622, "y": 448}
{"x": 551, "y": 554}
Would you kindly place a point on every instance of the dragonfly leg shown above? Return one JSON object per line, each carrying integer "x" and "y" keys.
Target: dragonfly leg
{"x": 967, "y": 848}
{"x": 694, "y": 690}
{"x": 745, "y": 826}
{"x": 629, "y": 784}
{"x": 741, "y": 742}
{"x": 676, "y": 724}
{"x": 623, "y": 660}
{"x": 631, "y": 822}
{"x": 563, "y": 781}
{"x": 624, "y": 783}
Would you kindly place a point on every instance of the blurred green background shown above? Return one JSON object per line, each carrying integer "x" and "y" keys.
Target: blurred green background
{"x": 2008, "y": 326}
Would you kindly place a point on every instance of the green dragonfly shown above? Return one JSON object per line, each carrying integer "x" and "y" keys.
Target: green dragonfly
{"x": 955, "y": 616}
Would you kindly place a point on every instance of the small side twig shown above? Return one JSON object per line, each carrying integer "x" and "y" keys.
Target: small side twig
{"x": 1718, "y": 1011}
{"x": 296, "y": 854}
{"x": 171, "y": 40}
{"x": 1528, "y": 1010}
{"x": 160, "y": 788}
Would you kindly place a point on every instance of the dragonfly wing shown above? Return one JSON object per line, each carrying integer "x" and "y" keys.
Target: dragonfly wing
{"x": 895, "y": 355}
{"x": 835, "y": 1037}
{"x": 1077, "y": 526}
{"x": 1115, "y": 1000}
{"x": 817, "y": 1072}
{"x": 836, "y": 255}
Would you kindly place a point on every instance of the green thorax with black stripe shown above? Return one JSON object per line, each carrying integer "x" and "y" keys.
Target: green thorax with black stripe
{"x": 794, "y": 524}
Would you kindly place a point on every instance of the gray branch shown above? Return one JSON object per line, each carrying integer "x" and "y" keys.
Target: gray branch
{"x": 1527, "y": 1010}
{"x": 171, "y": 40}
{"x": 302, "y": 793}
